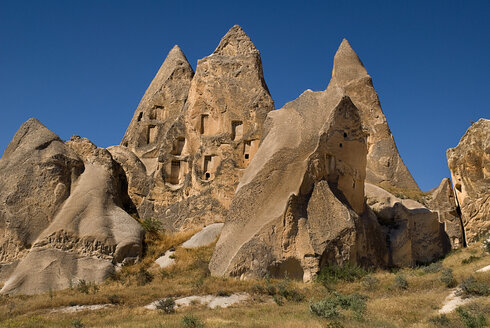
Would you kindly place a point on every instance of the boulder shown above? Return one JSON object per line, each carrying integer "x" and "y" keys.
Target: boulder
{"x": 413, "y": 233}
{"x": 442, "y": 201}
{"x": 299, "y": 204}
{"x": 385, "y": 167}
{"x": 469, "y": 163}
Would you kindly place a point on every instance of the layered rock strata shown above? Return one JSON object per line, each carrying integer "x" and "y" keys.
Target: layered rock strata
{"x": 469, "y": 163}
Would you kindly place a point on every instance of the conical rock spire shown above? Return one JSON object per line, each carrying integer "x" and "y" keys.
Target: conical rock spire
{"x": 384, "y": 166}
{"x": 235, "y": 42}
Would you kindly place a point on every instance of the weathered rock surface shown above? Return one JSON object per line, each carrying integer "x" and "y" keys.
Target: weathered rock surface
{"x": 204, "y": 237}
{"x": 90, "y": 231}
{"x": 161, "y": 104}
{"x": 469, "y": 163}
{"x": 385, "y": 167}
{"x": 298, "y": 204}
{"x": 37, "y": 172}
{"x": 442, "y": 201}
{"x": 207, "y": 145}
{"x": 414, "y": 234}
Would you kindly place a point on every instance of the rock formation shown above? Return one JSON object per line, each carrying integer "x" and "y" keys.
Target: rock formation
{"x": 201, "y": 155}
{"x": 413, "y": 233}
{"x": 385, "y": 167}
{"x": 442, "y": 201}
{"x": 469, "y": 163}
{"x": 299, "y": 203}
{"x": 83, "y": 229}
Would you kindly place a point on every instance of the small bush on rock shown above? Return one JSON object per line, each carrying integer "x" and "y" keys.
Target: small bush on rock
{"x": 166, "y": 305}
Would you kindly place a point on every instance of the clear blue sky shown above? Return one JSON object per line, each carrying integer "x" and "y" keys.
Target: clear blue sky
{"x": 81, "y": 67}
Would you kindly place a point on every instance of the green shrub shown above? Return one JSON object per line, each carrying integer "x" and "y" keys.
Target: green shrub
{"x": 470, "y": 259}
{"x": 470, "y": 286}
{"x": 151, "y": 225}
{"x": 77, "y": 323}
{"x": 370, "y": 282}
{"x": 114, "y": 299}
{"x": 470, "y": 320}
{"x": 401, "y": 282}
{"x": 143, "y": 277}
{"x": 285, "y": 290}
{"x": 330, "y": 306}
{"x": 433, "y": 267}
{"x": 166, "y": 305}
{"x": 447, "y": 278}
{"x": 278, "y": 300}
{"x": 440, "y": 320}
{"x": 332, "y": 274}
{"x": 190, "y": 321}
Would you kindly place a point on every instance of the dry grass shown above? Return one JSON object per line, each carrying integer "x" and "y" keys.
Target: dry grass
{"x": 387, "y": 306}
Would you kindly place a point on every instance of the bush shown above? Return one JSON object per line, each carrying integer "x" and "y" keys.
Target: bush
{"x": 470, "y": 259}
{"x": 85, "y": 287}
{"x": 285, "y": 290}
{"x": 278, "y": 299}
{"x": 447, "y": 278}
{"x": 348, "y": 272}
{"x": 370, "y": 282}
{"x": 401, "y": 282}
{"x": 143, "y": 277}
{"x": 77, "y": 324}
{"x": 190, "y": 321}
{"x": 440, "y": 320}
{"x": 486, "y": 245}
{"x": 329, "y": 307}
{"x": 433, "y": 267}
{"x": 166, "y": 305}
{"x": 114, "y": 299}
{"x": 470, "y": 286}
{"x": 151, "y": 225}
{"x": 470, "y": 320}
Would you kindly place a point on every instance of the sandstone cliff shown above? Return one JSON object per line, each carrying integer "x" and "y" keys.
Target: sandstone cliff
{"x": 469, "y": 163}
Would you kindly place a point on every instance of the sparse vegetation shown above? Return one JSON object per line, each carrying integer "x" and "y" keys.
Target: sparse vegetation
{"x": 77, "y": 324}
{"x": 385, "y": 306}
{"x": 166, "y": 305}
{"x": 151, "y": 225}
{"x": 85, "y": 287}
{"x": 470, "y": 259}
{"x": 400, "y": 282}
{"x": 331, "y": 274}
{"x": 331, "y": 306}
{"x": 190, "y": 321}
{"x": 471, "y": 320}
{"x": 447, "y": 278}
{"x": 472, "y": 287}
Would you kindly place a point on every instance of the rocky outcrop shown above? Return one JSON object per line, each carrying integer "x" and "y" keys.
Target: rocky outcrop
{"x": 89, "y": 231}
{"x": 413, "y": 233}
{"x": 299, "y": 204}
{"x": 469, "y": 163}
{"x": 442, "y": 201}
{"x": 385, "y": 167}
{"x": 207, "y": 146}
{"x": 37, "y": 172}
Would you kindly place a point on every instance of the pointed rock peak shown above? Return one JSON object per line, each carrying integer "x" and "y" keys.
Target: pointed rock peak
{"x": 346, "y": 64}
{"x": 32, "y": 134}
{"x": 175, "y": 58}
{"x": 235, "y": 42}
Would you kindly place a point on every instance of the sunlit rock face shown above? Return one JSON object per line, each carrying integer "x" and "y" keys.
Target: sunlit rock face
{"x": 73, "y": 203}
{"x": 469, "y": 163}
{"x": 198, "y": 160}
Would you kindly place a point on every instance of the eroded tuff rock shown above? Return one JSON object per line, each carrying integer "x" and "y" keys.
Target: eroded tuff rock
{"x": 206, "y": 147}
{"x": 161, "y": 104}
{"x": 469, "y": 163}
{"x": 385, "y": 167}
{"x": 414, "y": 234}
{"x": 442, "y": 201}
{"x": 89, "y": 232}
{"x": 37, "y": 172}
{"x": 299, "y": 203}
